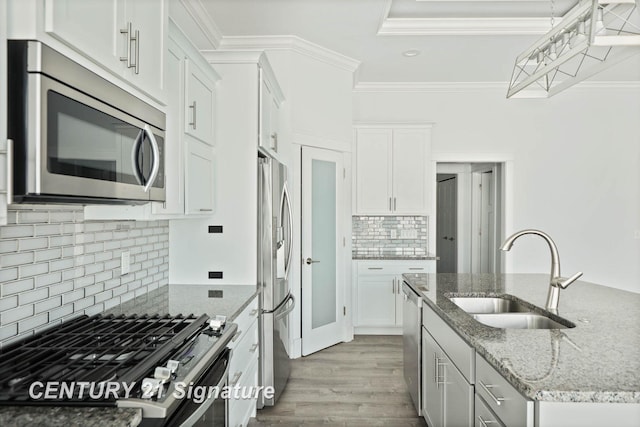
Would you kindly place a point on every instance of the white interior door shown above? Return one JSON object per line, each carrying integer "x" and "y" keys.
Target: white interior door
{"x": 322, "y": 250}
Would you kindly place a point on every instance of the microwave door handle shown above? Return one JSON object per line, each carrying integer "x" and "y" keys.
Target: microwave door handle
{"x": 155, "y": 168}
{"x": 135, "y": 152}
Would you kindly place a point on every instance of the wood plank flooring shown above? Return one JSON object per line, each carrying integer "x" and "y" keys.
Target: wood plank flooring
{"x": 359, "y": 383}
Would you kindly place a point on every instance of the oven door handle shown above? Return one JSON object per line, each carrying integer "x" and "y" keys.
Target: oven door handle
{"x": 155, "y": 153}
{"x": 197, "y": 414}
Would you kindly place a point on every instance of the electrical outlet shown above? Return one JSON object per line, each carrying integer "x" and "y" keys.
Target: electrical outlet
{"x": 125, "y": 263}
{"x": 393, "y": 234}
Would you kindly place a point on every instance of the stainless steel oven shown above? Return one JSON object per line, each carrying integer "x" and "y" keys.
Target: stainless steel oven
{"x": 77, "y": 137}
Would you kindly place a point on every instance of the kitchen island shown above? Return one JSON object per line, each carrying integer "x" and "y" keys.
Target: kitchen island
{"x": 227, "y": 300}
{"x": 594, "y": 365}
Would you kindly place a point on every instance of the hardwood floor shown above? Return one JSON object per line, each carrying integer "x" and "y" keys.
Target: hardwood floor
{"x": 359, "y": 383}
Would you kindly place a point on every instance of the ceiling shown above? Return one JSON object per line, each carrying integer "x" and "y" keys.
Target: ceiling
{"x": 458, "y": 40}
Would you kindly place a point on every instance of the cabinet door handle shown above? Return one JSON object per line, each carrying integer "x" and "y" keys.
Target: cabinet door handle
{"x": 253, "y": 312}
{"x": 193, "y": 107}
{"x": 235, "y": 379}
{"x": 394, "y": 203}
{"x": 127, "y": 31}
{"x": 393, "y": 291}
{"x": 485, "y": 423}
{"x": 254, "y": 348}
{"x": 390, "y": 208}
{"x": 236, "y": 336}
{"x": 274, "y": 138}
{"x": 487, "y": 388}
{"x": 136, "y": 39}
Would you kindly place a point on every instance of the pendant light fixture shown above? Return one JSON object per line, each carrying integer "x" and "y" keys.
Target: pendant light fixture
{"x": 591, "y": 37}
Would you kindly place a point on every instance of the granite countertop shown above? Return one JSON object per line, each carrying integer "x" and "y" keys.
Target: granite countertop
{"x": 227, "y": 300}
{"x": 393, "y": 257}
{"x": 596, "y": 361}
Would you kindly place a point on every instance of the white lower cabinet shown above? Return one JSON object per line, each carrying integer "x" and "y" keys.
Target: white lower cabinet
{"x": 243, "y": 368}
{"x": 447, "y": 396}
{"x": 378, "y": 293}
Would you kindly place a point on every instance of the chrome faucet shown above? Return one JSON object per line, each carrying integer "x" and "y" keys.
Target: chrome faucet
{"x": 557, "y": 282}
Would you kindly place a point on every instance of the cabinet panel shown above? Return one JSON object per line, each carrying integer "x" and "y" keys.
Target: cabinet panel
{"x": 410, "y": 171}
{"x": 200, "y": 171}
{"x": 458, "y": 397}
{"x": 199, "y": 104}
{"x": 376, "y": 301}
{"x": 432, "y": 398}
{"x": 373, "y": 171}
{"x": 483, "y": 415}
{"x": 148, "y": 18}
{"x": 89, "y": 26}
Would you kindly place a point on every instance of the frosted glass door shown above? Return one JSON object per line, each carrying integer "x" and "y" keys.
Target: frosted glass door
{"x": 322, "y": 277}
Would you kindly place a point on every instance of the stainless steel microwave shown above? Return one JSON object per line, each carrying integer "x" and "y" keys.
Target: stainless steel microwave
{"x": 77, "y": 138}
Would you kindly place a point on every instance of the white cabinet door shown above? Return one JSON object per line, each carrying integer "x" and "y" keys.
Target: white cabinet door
{"x": 200, "y": 172}
{"x": 148, "y": 20}
{"x": 376, "y": 301}
{"x": 410, "y": 167}
{"x": 432, "y": 397}
{"x": 199, "y": 104}
{"x": 458, "y": 396}
{"x": 268, "y": 116}
{"x": 373, "y": 171}
{"x": 89, "y": 26}
{"x": 173, "y": 149}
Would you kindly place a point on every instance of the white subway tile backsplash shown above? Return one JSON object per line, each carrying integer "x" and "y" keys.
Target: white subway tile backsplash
{"x": 56, "y": 267}
{"x": 14, "y": 259}
{"x": 381, "y": 235}
{"x": 10, "y": 288}
{"x": 13, "y": 231}
{"x": 15, "y": 314}
{"x": 48, "y": 229}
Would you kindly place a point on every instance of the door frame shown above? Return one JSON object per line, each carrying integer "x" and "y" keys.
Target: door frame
{"x": 295, "y": 275}
{"x": 507, "y": 187}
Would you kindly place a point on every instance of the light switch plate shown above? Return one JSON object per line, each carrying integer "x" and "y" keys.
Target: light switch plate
{"x": 125, "y": 263}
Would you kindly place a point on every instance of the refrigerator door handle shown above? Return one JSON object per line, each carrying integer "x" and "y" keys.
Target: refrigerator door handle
{"x": 289, "y": 309}
{"x": 279, "y": 306}
{"x": 289, "y": 238}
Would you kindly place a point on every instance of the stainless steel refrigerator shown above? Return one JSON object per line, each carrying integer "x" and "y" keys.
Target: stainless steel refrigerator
{"x": 274, "y": 263}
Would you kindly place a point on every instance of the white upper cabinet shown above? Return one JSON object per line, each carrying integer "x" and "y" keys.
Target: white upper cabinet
{"x": 127, "y": 37}
{"x": 391, "y": 170}
{"x": 199, "y": 178}
{"x": 270, "y": 99}
{"x": 200, "y": 103}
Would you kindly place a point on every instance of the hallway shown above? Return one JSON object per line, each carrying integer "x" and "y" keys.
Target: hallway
{"x": 350, "y": 384}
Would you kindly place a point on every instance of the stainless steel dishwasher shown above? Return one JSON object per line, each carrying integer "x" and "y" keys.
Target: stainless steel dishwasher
{"x": 411, "y": 326}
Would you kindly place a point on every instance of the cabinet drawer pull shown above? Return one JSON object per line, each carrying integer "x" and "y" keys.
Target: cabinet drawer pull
{"x": 236, "y": 336}
{"x": 205, "y": 210}
{"x": 254, "y": 348}
{"x": 374, "y": 268}
{"x": 416, "y": 268}
{"x": 193, "y": 107}
{"x": 485, "y": 423}
{"x": 253, "y": 312}
{"x": 487, "y": 388}
{"x": 235, "y": 379}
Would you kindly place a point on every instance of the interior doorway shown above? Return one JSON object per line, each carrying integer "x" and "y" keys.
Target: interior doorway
{"x": 469, "y": 215}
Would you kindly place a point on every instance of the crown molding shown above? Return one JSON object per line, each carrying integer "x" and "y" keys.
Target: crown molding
{"x": 436, "y": 87}
{"x": 203, "y": 20}
{"x": 462, "y": 26}
{"x": 293, "y": 43}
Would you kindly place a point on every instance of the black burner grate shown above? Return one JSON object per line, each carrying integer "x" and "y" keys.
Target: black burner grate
{"x": 94, "y": 350}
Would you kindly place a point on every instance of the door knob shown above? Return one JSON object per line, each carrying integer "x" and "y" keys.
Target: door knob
{"x": 310, "y": 261}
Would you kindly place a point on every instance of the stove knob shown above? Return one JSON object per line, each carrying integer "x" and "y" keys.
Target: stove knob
{"x": 161, "y": 373}
{"x": 173, "y": 365}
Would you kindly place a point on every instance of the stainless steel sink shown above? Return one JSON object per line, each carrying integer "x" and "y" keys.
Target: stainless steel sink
{"x": 519, "y": 321}
{"x": 507, "y": 313}
{"x": 481, "y": 305}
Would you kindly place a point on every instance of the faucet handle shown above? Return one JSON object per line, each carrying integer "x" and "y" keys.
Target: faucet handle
{"x": 564, "y": 283}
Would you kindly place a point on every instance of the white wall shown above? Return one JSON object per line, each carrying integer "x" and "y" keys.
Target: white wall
{"x": 576, "y": 160}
